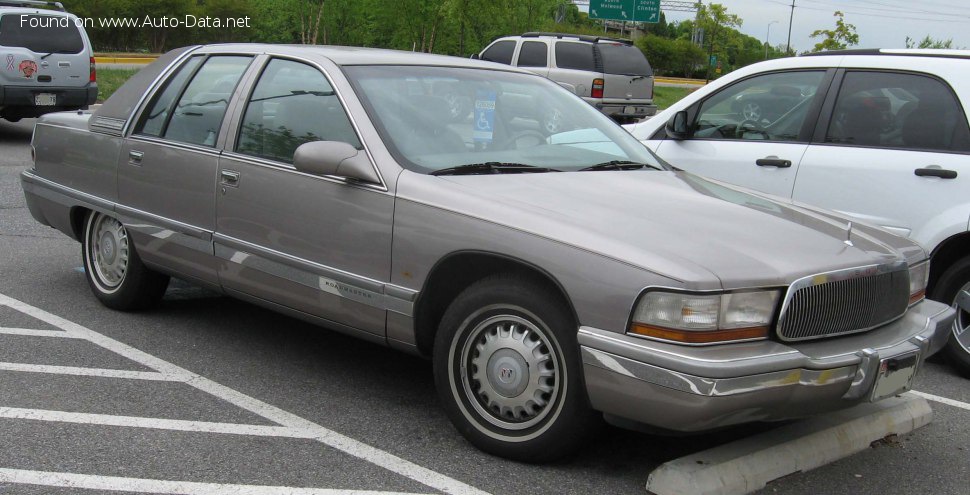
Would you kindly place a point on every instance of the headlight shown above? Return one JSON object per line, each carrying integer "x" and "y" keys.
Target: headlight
{"x": 704, "y": 318}
{"x": 919, "y": 276}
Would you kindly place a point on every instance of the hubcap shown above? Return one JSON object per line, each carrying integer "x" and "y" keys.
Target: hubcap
{"x": 961, "y": 325}
{"x": 751, "y": 111}
{"x": 109, "y": 251}
{"x": 510, "y": 372}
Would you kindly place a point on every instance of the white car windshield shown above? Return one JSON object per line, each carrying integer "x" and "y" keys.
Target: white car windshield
{"x": 437, "y": 118}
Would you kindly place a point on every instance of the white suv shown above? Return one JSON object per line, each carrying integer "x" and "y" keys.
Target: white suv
{"x": 881, "y": 135}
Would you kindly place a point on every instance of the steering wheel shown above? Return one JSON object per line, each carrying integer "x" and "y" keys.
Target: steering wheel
{"x": 524, "y": 139}
{"x": 749, "y": 125}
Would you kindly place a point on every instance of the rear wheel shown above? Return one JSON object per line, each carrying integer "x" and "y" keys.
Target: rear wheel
{"x": 113, "y": 269}
{"x": 953, "y": 288}
{"x": 507, "y": 368}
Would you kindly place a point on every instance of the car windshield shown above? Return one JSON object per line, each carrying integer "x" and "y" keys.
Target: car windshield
{"x": 41, "y": 33}
{"x": 437, "y": 118}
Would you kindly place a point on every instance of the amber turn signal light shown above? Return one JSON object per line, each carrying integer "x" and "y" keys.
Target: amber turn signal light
{"x": 699, "y": 337}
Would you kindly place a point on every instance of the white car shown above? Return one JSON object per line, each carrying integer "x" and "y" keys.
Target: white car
{"x": 880, "y": 135}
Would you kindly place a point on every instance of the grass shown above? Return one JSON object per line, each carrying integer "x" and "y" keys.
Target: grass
{"x": 664, "y": 96}
{"x": 109, "y": 80}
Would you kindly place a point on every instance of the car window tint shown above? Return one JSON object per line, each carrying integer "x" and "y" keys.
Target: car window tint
{"x": 293, "y": 103}
{"x": 533, "y": 54}
{"x": 619, "y": 58}
{"x": 770, "y": 107}
{"x": 500, "y": 52}
{"x": 198, "y": 115}
{"x": 575, "y": 56}
{"x": 894, "y": 110}
{"x": 40, "y": 33}
{"x": 153, "y": 122}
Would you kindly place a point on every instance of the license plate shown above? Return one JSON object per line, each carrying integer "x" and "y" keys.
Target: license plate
{"x": 45, "y": 99}
{"x": 895, "y": 375}
{"x": 629, "y": 110}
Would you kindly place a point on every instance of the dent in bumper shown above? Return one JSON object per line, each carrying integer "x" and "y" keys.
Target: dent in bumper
{"x": 691, "y": 389}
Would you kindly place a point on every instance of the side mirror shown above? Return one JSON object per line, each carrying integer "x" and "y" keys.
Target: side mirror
{"x": 334, "y": 158}
{"x": 677, "y": 127}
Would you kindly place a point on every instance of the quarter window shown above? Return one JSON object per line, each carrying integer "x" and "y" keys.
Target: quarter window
{"x": 500, "y": 52}
{"x": 770, "y": 107}
{"x": 894, "y": 110}
{"x": 198, "y": 115}
{"x": 577, "y": 56}
{"x": 533, "y": 54}
{"x": 293, "y": 103}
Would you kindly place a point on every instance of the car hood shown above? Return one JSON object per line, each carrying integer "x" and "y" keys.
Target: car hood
{"x": 700, "y": 232}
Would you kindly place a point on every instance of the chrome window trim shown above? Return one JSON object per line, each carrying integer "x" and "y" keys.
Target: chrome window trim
{"x": 138, "y": 108}
{"x": 143, "y": 138}
{"x": 836, "y": 276}
{"x": 233, "y": 137}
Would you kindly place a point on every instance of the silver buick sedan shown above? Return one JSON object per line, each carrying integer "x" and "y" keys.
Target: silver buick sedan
{"x": 551, "y": 277}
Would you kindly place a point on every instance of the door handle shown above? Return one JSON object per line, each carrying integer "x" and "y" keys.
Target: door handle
{"x": 134, "y": 157}
{"x": 772, "y": 161}
{"x": 936, "y": 172}
{"x": 229, "y": 178}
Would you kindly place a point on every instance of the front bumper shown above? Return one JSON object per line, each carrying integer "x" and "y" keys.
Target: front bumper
{"x": 683, "y": 388}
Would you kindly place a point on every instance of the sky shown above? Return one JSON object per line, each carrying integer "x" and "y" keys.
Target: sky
{"x": 879, "y": 23}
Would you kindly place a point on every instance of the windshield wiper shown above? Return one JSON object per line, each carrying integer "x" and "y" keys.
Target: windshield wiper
{"x": 492, "y": 168}
{"x": 619, "y": 165}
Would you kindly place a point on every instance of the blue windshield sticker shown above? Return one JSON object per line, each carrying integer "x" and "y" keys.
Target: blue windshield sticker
{"x": 484, "y": 115}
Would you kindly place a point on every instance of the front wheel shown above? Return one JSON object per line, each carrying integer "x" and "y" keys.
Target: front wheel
{"x": 113, "y": 269}
{"x": 953, "y": 288}
{"x": 507, "y": 368}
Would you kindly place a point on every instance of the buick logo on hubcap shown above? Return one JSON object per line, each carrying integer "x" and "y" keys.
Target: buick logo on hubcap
{"x": 506, "y": 375}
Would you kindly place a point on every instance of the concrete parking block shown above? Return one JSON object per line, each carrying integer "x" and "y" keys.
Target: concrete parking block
{"x": 749, "y": 464}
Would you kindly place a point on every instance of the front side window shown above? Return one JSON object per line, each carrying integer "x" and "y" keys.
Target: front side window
{"x": 41, "y": 33}
{"x": 516, "y": 119}
{"x": 293, "y": 103}
{"x": 198, "y": 114}
{"x": 500, "y": 52}
{"x": 894, "y": 110}
{"x": 577, "y": 56}
{"x": 533, "y": 54}
{"x": 770, "y": 107}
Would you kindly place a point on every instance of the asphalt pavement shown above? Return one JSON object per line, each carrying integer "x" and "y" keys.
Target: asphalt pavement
{"x": 207, "y": 394}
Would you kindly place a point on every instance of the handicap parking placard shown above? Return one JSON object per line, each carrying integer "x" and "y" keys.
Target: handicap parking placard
{"x": 484, "y": 116}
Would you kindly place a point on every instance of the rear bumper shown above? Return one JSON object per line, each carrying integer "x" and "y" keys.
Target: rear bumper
{"x": 624, "y": 108}
{"x": 20, "y": 99}
{"x": 700, "y": 388}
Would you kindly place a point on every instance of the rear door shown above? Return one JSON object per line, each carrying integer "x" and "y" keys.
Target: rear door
{"x": 894, "y": 151}
{"x": 762, "y": 152}
{"x": 43, "y": 50}
{"x": 627, "y": 74}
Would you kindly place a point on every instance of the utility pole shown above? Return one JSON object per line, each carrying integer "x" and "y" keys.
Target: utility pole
{"x": 767, "y": 37}
{"x": 790, "y": 17}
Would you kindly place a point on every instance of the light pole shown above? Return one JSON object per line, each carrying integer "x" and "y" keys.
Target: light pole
{"x": 767, "y": 35}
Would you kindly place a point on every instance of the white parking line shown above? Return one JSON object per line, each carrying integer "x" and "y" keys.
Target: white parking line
{"x": 139, "y": 485}
{"x": 291, "y": 421}
{"x": 99, "y": 372}
{"x": 941, "y": 400}
{"x": 36, "y": 333}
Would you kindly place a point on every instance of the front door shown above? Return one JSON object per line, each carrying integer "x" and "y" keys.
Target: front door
{"x": 319, "y": 245}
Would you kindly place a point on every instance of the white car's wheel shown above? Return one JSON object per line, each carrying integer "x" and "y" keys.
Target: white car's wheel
{"x": 953, "y": 288}
{"x": 112, "y": 266}
{"x": 507, "y": 368}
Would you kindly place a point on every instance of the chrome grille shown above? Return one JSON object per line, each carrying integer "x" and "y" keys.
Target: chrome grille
{"x": 844, "y": 302}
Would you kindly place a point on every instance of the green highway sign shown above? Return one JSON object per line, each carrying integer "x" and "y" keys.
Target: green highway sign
{"x": 625, "y": 10}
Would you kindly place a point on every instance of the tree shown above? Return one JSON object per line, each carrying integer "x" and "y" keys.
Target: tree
{"x": 839, "y": 38}
{"x": 929, "y": 42}
{"x": 715, "y": 20}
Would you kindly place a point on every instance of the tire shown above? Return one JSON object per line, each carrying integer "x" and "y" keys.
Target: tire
{"x": 954, "y": 281}
{"x": 489, "y": 339}
{"x": 113, "y": 269}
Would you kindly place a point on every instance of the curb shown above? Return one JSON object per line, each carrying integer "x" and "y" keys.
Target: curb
{"x": 750, "y": 464}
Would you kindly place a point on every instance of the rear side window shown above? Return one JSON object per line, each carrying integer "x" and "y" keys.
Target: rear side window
{"x": 577, "y": 56}
{"x": 198, "y": 115}
{"x": 897, "y": 110}
{"x": 500, "y": 52}
{"x": 41, "y": 33}
{"x": 624, "y": 59}
{"x": 153, "y": 122}
{"x": 533, "y": 54}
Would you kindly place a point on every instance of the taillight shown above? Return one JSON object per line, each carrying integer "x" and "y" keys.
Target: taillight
{"x": 94, "y": 73}
{"x": 597, "y": 88}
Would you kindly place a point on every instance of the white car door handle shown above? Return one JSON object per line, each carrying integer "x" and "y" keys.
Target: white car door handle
{"x": 936, "y": 172}
{"x": 773, "y": 161}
